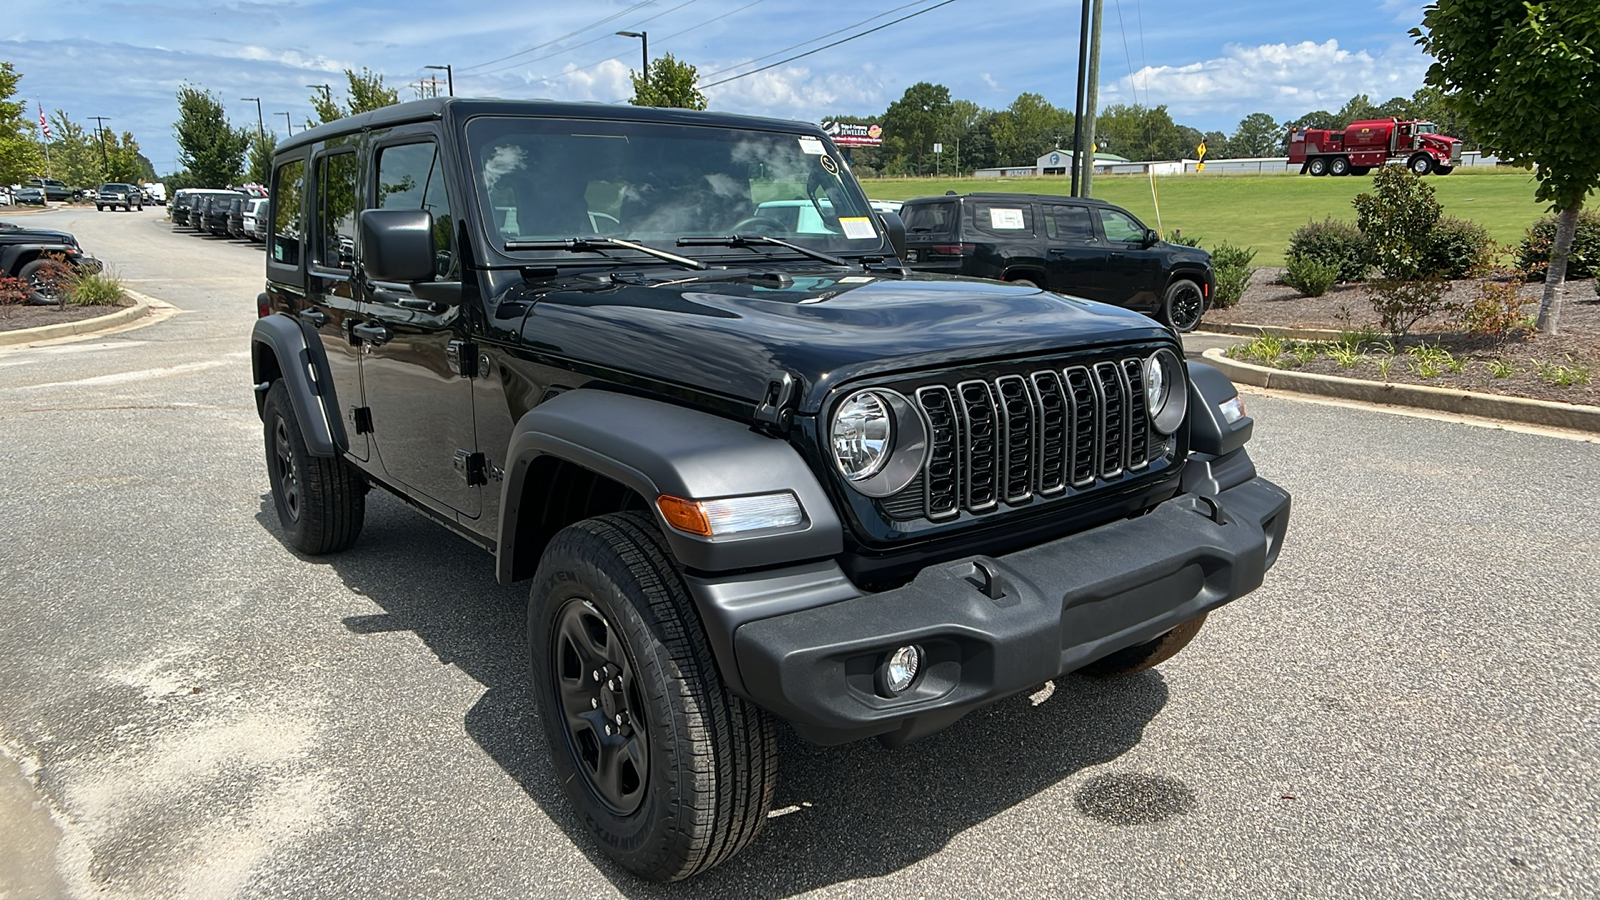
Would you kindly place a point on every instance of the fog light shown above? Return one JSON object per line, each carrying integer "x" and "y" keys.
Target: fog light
{"x": 900, "y": 670}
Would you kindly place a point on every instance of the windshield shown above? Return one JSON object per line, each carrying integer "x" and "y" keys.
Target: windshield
{"x": 1427, "y": 128}
{"x": 653, "y": 183}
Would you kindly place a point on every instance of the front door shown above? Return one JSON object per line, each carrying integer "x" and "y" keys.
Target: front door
{"x": 416, "y": 354}
{"x": 1075, "y": 257}
{"x": 1136, "y": 273}
{"x": 331, "y": 305}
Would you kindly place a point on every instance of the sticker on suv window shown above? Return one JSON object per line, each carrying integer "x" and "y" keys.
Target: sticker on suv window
{"x": 811, "y": 146}
{"x": 1006, "y": 219}
{"x": 857, "y": 228}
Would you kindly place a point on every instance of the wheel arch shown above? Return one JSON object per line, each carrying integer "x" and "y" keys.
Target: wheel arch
{"x": 1028, "y": 270}
{"x": 277, "y": 340}
{"x": 648, "y": 448}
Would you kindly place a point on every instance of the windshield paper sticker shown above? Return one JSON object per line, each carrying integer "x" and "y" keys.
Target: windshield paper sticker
{"x": 858, "y": 228}
{"x": 812, "y": 146}
{"x": 1008, "y": 219}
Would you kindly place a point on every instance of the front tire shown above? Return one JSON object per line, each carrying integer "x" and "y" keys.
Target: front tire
{"x": 1421, "y": 164}
{"x": 321, "y": 502}
{"x": 668, "y": 771}
{"x": 43, "y": 290}
{"x": 1147, "y": 655}
{"x": 1183, "y": 306}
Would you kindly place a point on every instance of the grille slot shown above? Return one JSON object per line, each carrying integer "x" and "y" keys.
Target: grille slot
{"x": 1013, "y": 437}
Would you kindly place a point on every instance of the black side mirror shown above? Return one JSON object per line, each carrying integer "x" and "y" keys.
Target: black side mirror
{"x": 397, "y": 245}
{"x": 896, "y": 227}
{"x": 1150, "y": 238}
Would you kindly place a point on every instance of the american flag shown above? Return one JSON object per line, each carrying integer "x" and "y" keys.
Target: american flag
{"x": 43, "y": 124}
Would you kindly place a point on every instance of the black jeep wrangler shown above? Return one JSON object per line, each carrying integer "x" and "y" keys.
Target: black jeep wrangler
{"x": 752, "y": 473}
{"x": 41, "y": 258}
{"x": 1072, "y": 245}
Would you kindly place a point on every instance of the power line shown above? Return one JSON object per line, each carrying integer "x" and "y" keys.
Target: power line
{"x": 610, "y": 18}
{"x": 827, "y": 46}
{"x": 633, "y": 27}
{"x": 660, "y": 41}
{"x": 814, "y": 40}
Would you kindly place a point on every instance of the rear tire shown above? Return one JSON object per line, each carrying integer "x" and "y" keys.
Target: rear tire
{"x": 321, "y": 502}
{"x": 1023, "y": 282}
{"x": 1339, "y": 166}
{"x": 1442, "y": 170}
{"x": 1183, "y": 306}
{"x": 1317, "y": 167}
{"x": 1147, "y": 655}
{"x": 685, "y": 781}
{"x": 1360, "y": 170}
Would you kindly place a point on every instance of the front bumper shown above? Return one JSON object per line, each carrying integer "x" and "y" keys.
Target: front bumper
{"x": 992, "y": 627}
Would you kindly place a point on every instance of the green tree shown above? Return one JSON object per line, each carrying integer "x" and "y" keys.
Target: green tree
{"x": 1357, "y": 108}
{"x": 1525, "y": 76}
{"x": 670, "y": 83}
{"x": 74, "y": 152}
{"x": 912, "y": 124}
{"x": 1257, "y": 135}
{"x": 208, "y": 147}
{"x": 366, "y": 92}
{"x": 1397, "y": 219}
{"x": 1143, "y": 133}
{"x": 126, "y": 164}
{"x": 1219, "y": 147}
{"x": 1030, "y": 127}
{"x": 262, "y": 143}
{"x": 19, "y": 148}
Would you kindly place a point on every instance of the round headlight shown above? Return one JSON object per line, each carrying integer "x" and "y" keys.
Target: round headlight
{"x": 862, "y": 435}
{"x": 1165, "y": 396}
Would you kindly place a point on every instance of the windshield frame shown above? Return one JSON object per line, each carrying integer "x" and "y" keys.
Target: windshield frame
{"x": 495, "y": 241}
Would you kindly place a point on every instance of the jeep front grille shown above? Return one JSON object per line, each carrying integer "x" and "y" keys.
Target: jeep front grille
{"x": 1027, "y": 435}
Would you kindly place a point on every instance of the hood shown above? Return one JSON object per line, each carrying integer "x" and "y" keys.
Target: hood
{"x": 732, "y": 336}
{"x": 16, "y": 234}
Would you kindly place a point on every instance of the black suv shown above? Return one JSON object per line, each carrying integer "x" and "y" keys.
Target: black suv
{"x": 115, "y": 194}
{"x": 751, "y": 473}
{"x": 1086, "y": 248}
{"x": 27, "y": 253}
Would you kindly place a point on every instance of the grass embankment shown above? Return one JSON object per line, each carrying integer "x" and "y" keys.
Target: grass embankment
{"x": 1260, "y": 211}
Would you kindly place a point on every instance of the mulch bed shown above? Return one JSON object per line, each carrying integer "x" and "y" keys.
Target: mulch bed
{"x": 15, "y": 317}
{"x": 1534, "y": 358}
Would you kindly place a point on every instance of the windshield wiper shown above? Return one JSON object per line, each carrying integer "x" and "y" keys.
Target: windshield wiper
{"x": 748, "y": 240}
{"x": 599, "y": 244}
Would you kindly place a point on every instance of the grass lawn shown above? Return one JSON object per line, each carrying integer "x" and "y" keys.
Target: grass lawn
{"x": 1260, "y": 210}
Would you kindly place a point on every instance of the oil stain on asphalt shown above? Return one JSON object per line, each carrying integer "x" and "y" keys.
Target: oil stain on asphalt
{"x": 1133, "y": 798}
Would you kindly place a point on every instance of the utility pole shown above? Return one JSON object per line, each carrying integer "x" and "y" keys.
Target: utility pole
{"x": 105, "y": 157}
{"x": 1077, "y": 112}
{"x": 1091, "y": 94}
{"x": 287, "y": 122}
{"x": 261, "y": 125}
{"x": 644, "y": 48}
{"x": 449, "y": 79}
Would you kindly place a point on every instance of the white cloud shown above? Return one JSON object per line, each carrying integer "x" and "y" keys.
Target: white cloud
{"x": 1281, "y": 79}
{"x": 797, "y": 92}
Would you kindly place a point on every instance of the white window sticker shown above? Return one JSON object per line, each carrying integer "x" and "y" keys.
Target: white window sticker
{"x": 857, "y": 228}
{"x": 1005, "y": 219}
{"x": 855, "y": 279}
{"x": 811, "y": 146}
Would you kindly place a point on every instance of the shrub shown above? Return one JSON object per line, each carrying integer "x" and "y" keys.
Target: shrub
{"x": 1401, "y": 303}
{"x": 13, "y": 292}
{"x": 84, "y": 288}
{"x": 1397, "y": 220}
{"x": 1178, "y": 238}
{"x": 1331, "y": 242}
{"x": 1233, "y": 270}
{"x": 1457, "y": 248}
{"x": 1310, "y": 277}
{"x": 1496, "y": 311}
{"x": 1533, "y": 254}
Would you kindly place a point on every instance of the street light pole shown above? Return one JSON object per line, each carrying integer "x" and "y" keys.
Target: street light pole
{"x": 105, "y": 157}
{"x": 449, "y": 77}
{"x": 644, "y": 49}
{"x": 287, "y": 121}
{"x": 261, "y": 126}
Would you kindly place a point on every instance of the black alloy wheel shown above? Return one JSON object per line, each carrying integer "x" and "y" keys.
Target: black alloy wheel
{"x": 321, "y": 501}
{"x": 286, "y": 473}
{"x": 603, "y": 713}
{"x": 1183, "y": 306}
{"x": 44, "y": 288}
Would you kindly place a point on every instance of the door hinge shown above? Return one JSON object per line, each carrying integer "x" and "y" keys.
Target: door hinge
{"x": 775, "y": 413}
{"x": 473, "y": 467}
{"x": 361, "y": 417}
{"x": 463, "y": 358}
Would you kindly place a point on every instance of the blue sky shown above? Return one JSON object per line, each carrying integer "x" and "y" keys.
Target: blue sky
{"x": 1211, "y": 63}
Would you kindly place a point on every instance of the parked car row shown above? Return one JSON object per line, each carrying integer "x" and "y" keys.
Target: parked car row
{"x": 220, "y": 212}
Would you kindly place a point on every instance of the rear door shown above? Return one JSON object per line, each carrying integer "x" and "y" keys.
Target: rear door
{"x": 931, "y": 237}
{"x": 1000, "y": 237}
{"x": 1136, "y": 275}
{"x": 418, "y": 356}
{"x": 1075, "y": 257}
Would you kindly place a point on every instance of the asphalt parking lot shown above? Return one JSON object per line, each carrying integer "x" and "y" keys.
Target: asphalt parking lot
{"x": 189, "y": 709}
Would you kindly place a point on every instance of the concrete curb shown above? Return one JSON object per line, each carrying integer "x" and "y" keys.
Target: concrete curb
{"x": 139, "y": 309}
{"x": 1463, "y": 403}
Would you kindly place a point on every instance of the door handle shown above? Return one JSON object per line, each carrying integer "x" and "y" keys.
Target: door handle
{"x": 372, "y": 333}
{"x": 316, "y": 317}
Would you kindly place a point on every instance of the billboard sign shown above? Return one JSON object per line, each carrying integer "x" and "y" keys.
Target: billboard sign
{"x": 851, "y": 134}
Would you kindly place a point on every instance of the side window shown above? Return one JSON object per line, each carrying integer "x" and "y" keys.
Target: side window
{"x": 288, "y": 229}
{"x": 1121, "y": 227}
{"x": 929, "y": 218}
{"x": 1068, "y": 223}
{"x": 336, "y": 210}
{"x": 1006, "y": 220}
{"x": 410, "y": 177}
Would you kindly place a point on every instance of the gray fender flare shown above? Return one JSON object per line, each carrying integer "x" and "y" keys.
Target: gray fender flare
{"x": 305, "y": 374}
{"x": 656, "y": 448}
{"x": 1209, "y": 432}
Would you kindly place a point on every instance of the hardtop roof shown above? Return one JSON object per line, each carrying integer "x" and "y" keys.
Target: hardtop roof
{"x": 1002, "y": 196}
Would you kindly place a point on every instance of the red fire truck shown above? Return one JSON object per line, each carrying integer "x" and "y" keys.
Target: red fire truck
{"x": 1374, "y": 142}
